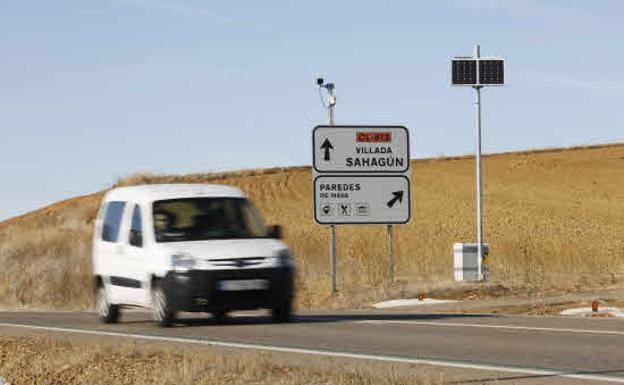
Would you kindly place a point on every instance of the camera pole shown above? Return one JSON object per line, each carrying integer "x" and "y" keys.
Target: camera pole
{"x": 331, "y": 102}
{"x": 332, "y": 228}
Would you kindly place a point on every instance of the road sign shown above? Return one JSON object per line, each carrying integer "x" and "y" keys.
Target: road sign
{"x": 361, "y": 199}
{"x": 360, "y": 149}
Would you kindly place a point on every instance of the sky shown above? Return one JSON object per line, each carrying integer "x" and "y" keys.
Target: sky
{"x": 92, "y": 91}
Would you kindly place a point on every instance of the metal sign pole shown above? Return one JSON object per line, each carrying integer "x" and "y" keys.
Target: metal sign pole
{"x": 478, "y": 166}
{"x": 390, "y": 255}
{"x": 332, "y": 256}
{"x": 332, "y": 228}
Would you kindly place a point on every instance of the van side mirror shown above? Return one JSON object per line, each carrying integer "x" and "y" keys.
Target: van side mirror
{"x": 275, "y": 231}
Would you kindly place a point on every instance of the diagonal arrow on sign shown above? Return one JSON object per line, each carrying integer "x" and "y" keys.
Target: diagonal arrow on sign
{"x": 398, "y": 196}
{"x": 327, "y": 146}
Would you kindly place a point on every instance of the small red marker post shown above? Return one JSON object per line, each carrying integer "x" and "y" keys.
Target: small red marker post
{"x": 594, "y": 306}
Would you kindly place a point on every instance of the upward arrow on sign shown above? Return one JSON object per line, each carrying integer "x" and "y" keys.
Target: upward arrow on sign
{"x": 327, "y": 146}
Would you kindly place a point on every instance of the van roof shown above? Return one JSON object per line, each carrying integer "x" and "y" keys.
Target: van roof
{"x": 156, "y": 192}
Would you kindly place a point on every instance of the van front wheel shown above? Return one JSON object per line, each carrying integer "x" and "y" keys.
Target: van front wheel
{"x": 161, "y": 307}
{"x": 282, "y": 313}
{"x": 107, "y": 312}
{"x": 220, "y": 316}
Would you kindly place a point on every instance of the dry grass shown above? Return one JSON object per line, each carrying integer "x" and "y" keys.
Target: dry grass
{"x": 555, "y": 308}
{"x": 552, "y": 219}
{"x": 37, "y": 360}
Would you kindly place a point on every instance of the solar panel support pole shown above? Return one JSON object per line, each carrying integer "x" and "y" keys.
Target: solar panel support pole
{"x": 481, "y": 276}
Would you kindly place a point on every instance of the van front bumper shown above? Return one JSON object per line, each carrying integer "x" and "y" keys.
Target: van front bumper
{"x": 199, "y": 290}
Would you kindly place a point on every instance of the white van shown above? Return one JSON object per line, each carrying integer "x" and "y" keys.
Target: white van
{"x": 188, "y": 247}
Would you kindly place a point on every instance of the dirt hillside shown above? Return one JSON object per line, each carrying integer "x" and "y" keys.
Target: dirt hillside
{"x": 552, "y": 218}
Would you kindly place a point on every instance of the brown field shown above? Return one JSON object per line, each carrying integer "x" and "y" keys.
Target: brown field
{"x": 552, "y": 218}
{"x": 41, "y": 360}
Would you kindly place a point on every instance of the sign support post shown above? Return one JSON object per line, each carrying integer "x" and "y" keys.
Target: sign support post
{"x": 332, "y": 257}
{"x": 390, "y": 255}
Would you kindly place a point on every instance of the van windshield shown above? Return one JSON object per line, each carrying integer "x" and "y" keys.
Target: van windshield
{"x": 197, "y": 219}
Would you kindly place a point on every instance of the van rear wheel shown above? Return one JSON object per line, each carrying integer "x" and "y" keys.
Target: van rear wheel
{"x": 107, "y": 312}
{"x": 161, "y": 307}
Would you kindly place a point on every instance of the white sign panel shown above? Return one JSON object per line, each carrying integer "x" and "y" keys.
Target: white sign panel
{"x": 345, "y": 199}
{"x": 360, "y": 149}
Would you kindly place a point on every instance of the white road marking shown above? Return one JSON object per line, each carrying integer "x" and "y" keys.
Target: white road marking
{"x": 508, "y": 327}
{"x": 337, "y": 354}
{"x": 410, "y": 302}
{"x": 588, "y": 312}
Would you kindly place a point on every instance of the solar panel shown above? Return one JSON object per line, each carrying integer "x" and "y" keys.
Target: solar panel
{"x": 464, "y": 72}
{"x": 491, "y": 71}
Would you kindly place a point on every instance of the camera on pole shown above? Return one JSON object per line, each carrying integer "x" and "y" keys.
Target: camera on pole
{"x": 331, "y": 99}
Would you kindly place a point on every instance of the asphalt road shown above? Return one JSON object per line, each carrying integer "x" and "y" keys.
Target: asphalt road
{"x": 513, "y": 347}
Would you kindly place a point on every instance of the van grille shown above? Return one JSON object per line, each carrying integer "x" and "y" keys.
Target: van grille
{"x": 237, "y": 262}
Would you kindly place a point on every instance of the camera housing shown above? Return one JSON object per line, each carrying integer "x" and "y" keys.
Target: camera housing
{"x": 320, "y": 82}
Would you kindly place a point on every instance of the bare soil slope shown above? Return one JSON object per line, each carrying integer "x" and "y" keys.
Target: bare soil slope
{"x": 552, "y": 219}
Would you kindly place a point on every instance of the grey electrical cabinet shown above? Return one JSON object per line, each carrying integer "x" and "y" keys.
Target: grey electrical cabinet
{"x": 466, "y": 261}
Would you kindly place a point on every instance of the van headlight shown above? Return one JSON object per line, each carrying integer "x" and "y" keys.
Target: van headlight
{"x": 285, "y": 258}
{"x": 182, "y": 262}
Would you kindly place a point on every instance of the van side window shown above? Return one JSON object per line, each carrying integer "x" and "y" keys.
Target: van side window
{"x": 136, "y": 228}
{"x": 112, "y": 221}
